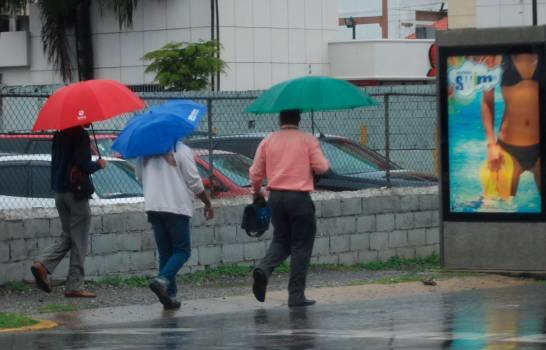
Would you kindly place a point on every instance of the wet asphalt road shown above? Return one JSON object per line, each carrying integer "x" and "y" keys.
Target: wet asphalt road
{"x": 500, "y": 319}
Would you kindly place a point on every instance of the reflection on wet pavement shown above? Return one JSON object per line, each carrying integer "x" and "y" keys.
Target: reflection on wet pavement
{"x": 500, "y": 319}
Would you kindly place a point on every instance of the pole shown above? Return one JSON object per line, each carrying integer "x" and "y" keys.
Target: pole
{"x": 535, "y": 12}
{"x": 354, "y": 32}
{"x": 312, "y": 123}
{"x": 387, "y": 142}
{"x": 211, "y": 156}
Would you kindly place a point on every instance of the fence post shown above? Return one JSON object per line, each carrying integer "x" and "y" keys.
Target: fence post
{"x": 211, "y": 145}
{"x": 387, "y": 141}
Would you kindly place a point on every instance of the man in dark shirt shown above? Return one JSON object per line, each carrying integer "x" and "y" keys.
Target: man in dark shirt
{"x": 71, "y": 147}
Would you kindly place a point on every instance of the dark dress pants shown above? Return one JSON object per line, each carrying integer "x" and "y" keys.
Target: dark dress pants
{"x": 294, "y": 224}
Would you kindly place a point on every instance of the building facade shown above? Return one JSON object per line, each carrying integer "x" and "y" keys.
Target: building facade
{"x": 263, "y": 41}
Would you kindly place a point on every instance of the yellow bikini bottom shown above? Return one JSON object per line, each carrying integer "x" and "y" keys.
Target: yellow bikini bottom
{"x": 498, "y": 183}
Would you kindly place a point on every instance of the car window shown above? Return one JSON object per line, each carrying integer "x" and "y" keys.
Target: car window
{"x": 14, "y": 180}
{"x": 105, "y": 146}
{"x": 347, "y": 160}
{"x": 233, "y": 166}
{"x": 204, "y": 174}
{"x": 40, "y": 180}
{"x": 116, "y": 181}
{"x": 13, "y": 145}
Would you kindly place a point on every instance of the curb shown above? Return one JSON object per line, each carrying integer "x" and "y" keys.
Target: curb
{"x": 42, "y": 325}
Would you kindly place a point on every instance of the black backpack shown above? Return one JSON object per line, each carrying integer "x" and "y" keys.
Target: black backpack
{"x": 256, "y": 218}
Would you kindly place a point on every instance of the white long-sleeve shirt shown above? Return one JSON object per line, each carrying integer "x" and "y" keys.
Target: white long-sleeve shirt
{"x": 170, "y": 188}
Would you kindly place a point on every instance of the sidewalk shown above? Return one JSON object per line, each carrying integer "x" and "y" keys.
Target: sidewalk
{"x": 276, "y": 300}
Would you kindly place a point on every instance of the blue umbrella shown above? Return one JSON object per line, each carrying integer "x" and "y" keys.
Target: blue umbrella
{"x": 158, "y": 130}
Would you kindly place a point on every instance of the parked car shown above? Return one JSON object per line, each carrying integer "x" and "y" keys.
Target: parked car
{"x": 25, "y": 182}
{"x": 40, "y": 143}
{"x": 352, "y": 166}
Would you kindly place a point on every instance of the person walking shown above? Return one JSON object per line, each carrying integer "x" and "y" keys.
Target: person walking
{"x": 71, "y": 150}
{"x": 170, "y": 183}
{"x": 288, "y": 158}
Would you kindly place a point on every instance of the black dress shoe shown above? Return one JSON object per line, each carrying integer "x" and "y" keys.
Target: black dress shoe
{"x": 305, "y": 302}
{"x": 260, "y": 284}
{"x": 159, "y": 287}
{"x": 173, "y": 304}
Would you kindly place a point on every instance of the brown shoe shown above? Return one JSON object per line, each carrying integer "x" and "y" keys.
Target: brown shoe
{"x": 79, "y": 294}
{"x": 40, "y": 275}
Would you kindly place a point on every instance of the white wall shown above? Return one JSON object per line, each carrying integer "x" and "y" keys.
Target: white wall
{"x": 380, "y": 59}
{"x": 264, "y": 41}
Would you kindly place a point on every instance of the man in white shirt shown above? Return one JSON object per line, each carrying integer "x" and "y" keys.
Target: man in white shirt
{"x": 170, "y": 183}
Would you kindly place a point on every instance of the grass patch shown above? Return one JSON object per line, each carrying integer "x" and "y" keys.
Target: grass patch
{"x": 18, "y": 287}
{"x": 124, "y": 282}
{"x": 10, "y": 320}
{"x": 397, "y": 263}
{"x": 50, "y": 308}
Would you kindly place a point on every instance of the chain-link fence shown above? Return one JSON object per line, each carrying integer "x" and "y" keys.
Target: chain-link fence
{"x": 390, "y": 144}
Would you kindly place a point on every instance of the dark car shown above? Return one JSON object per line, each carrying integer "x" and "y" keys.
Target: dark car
{"x": 352, "y": 166}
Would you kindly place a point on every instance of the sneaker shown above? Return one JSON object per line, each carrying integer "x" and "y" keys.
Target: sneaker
{"x": 172, "y": 305}
{"x": 159, "y": 287}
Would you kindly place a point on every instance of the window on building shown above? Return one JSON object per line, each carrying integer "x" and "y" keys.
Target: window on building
{"x": 18, "y": 21}
{"x": 425, "y": 32}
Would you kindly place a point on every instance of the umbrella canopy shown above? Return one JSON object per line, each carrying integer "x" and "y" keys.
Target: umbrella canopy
{"x": 310, "y": 93}
{"x": 84, "y": 103}
{"x": 157, "y": 131}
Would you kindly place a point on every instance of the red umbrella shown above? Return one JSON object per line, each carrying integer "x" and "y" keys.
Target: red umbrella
{"x": 84, "y": 103}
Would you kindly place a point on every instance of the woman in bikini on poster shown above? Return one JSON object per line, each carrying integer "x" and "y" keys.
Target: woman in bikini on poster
{"x": 518, "y": 136}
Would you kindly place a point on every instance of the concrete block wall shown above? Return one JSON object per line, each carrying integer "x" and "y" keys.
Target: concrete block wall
{"x": 352, "y": 227}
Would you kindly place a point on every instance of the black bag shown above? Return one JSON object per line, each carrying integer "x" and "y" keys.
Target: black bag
{"x": 256, "y": 218}
{"x": 80, "y": 183}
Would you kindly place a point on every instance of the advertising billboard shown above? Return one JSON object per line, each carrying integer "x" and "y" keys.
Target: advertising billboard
{"x": 492, "y": 125}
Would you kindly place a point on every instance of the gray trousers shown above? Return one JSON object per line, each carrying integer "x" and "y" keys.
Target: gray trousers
{"x": 75, "y": 216}
{"x": 294, "y": 224}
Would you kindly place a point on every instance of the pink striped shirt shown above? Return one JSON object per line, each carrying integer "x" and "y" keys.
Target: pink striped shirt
{"x": 288, "y": 158}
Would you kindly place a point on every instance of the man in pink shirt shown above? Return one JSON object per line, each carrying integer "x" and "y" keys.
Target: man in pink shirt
{"x": 288, "y": 159}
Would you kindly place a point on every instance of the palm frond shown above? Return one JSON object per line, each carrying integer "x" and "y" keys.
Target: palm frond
{"x": 123, "y": 10}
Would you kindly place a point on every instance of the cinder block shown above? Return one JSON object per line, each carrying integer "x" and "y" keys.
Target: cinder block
{"x": 225, "y": 234}
{"x": 96, "y": 225}
{"x": 16, "y": 272}
{"x": 345, "y": 225}
{"x": 409, "y": 202}
{"x": 398, "y": 239}
{"x": 384, "y": 204}
{"x": 128, "y": 241}
{"x": 366, "y": 256}
{"x": 339, "y": 244}
{"x": 422, "y": 219}
{"x": 435, "y": 220}
{"x": 328, "y": 259}
{"x": 202, "y": 236}
{"x": 232, "y": 253}
{"x": 233, "y": 214}
{"x": 22, "y": 249}
{"x": 428, "y": 202}
{"x": 433, "y": 235}
{"x": 366, "y": 223}
{"x": 137, "y": 221}
{"x": 35, "y": 228}
{"x": 104, "y": 244}
{"x": 219, "y": 216}
{"x": 348, "y": 258}
{"x": 321, "y": 246}
{"x": 331, "y": 208}
{"x": 406, "y": 252}
{"x": 326, "y": 227}
{"x": 384, "y": 222}
{"x": 417, "y": 237}
{"x": 193, "y": 260}
{"x": 360, "y": 241}
{"x": 243, "y": 237}
{"x": 210, "y": 255}
{"x": 318, "y": 208}
{"x": 351, "y": 206}
{"x": 404, "y": 221}
{"x": 112, "y": 223}
{"x": 11, "y": 229}
{"x": 428, "y": 250}
{"x": 254, "y": 250}
{"x": 140, "y": 261}
{"x": 379, "y": 241}
{"x": 4, "y": 252}
{"x": 198, "y": 218}
{"x": 384, "y": 255}
{"x": 148, "y": 241}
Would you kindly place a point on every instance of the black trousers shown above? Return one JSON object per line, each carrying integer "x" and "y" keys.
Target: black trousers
{"x": 295, "y": 227}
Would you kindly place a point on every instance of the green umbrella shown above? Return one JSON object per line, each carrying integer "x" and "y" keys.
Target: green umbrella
{"x": 309, "y": 94}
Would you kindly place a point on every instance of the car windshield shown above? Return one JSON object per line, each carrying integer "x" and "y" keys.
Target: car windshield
{"x": 117, "y": 180}
{"x": 233, "y": 166}
{"x": 346, "y": 158}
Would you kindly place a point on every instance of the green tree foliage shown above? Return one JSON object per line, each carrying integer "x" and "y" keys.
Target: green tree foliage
{"x": 185, "y": 66}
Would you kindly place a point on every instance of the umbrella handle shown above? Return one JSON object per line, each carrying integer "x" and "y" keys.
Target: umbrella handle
{"x": 95, "y": 138}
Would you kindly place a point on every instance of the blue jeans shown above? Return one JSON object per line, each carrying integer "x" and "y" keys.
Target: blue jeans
{"x": 172, "y": 236}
